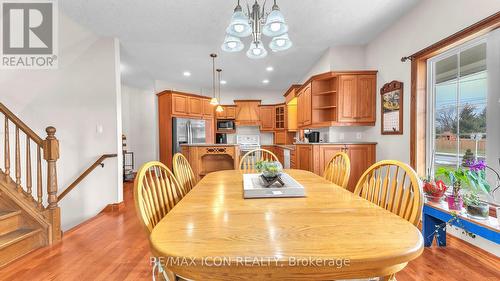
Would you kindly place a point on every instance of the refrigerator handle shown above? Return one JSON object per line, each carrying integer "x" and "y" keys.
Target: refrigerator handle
{"x": 189, "y": 133}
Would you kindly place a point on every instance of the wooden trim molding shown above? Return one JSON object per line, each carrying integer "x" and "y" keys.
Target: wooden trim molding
{"x": 115, "y": 207}
{"x": 418, "y": 98}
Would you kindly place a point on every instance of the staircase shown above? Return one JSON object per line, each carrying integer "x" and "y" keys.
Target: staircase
{"x": 29, "y": 214}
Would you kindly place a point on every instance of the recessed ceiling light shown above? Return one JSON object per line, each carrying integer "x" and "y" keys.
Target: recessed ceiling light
{"x": 265, "y": 81}
{"x": 269, "y": 68}
{"x": 186, "y": 73}
{"x": 223, "y": 82}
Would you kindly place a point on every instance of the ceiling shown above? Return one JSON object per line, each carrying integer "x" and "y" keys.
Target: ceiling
{"x": 163, "y": 38}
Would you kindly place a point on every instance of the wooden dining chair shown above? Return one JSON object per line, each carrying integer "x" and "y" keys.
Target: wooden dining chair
{"x": 156, "y": 192}
{"x": 248, "y": 161}
{"x": 183, "y": 172}
{"x": 338, "y": 169}
{"x": 394, "y": 186}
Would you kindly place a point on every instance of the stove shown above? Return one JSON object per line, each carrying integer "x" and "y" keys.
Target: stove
{"x": 248, "y": 142}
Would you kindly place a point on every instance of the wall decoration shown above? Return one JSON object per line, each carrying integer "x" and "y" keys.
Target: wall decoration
{"x": 392, "y": 108}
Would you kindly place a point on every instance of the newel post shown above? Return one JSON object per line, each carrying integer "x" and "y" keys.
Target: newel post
{"x": 51, "y": 154}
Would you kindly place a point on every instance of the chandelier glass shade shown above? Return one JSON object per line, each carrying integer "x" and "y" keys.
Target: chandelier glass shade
{"x": 280, "y": 43}
{"x": 256, "y": 50}
{"x": 255, "y": 23}
{"x": 232, "y": 44}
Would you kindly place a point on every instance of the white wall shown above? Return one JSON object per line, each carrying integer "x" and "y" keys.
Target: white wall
{"x": 427, "y": 23}
{"x": 76, "y": 98}
{"x": 140, "y": 123}
{"x": 227, "y": 96}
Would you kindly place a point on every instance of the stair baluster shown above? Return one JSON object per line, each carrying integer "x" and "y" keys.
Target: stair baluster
{"x": 7, "y": 150}
{"x": 18, "y": 162}
{"x": 28, "y": 168}
{"x": 39, "y": 193}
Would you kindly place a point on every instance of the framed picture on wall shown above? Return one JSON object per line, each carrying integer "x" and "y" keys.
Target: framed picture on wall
{"x": 392, "y": 108}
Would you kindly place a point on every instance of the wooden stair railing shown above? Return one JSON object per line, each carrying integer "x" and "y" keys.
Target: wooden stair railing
{"x": 84, "y": 175}
{"x": 46, "y": 213}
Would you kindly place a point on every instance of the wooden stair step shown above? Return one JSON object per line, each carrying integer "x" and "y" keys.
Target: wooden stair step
{"x": 16, "y": 236}
{"x": 18, "y": 243}
{"x": 9, "y": 221}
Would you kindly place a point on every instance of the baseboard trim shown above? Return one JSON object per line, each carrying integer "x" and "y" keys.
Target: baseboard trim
{"x": 115, "y": 207}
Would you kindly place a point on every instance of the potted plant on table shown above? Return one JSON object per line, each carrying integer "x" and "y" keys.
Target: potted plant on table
{"x": 270, "y": 171}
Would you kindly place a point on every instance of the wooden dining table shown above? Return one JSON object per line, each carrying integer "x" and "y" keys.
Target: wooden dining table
{"x": 213, "y": 233}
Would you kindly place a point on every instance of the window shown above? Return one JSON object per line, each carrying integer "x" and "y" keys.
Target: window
{"x": 457, "y": 105}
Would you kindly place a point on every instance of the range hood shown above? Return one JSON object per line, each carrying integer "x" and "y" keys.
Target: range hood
{"x": 247, "y": 112}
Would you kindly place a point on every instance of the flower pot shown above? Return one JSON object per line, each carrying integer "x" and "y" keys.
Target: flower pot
{"x": 479, "y": 211}
{"x": 435, "y": 199}
{"x": 455, "y": 203}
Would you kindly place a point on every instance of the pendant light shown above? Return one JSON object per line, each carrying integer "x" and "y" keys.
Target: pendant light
{"x": 280, "y": 43}
{"x": 275, "y": 24}
{"x": 219, "y": 108}
{"x": 214, "y": 100}
{"x": 239, "y": 25}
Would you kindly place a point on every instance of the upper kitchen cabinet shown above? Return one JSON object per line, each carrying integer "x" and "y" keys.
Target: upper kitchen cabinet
{"x": 358, "y": 99}
{"x": 267, "y": 117}
{"x": 188, "y": 105}
{"x": 279, "y": 117}
{"x": 229, "y": 112}
{"x": 304, "y": 105}
{"x": 247, "y": 112}
{"x": 338, "y": 99}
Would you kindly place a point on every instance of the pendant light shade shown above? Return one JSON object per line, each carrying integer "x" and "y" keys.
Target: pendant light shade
{"x": 214, "y": 101}
{"x": 239, "y": 25}
{"x": 219, "y": 108}
{"x": 275, "y": 24}
{"x": 232, "y": 44}
{"x": 280, "y": 43}
{"x": 256, "y": 51}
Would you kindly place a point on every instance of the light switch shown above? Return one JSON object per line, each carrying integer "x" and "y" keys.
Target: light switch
{"x": 99, "y": 129}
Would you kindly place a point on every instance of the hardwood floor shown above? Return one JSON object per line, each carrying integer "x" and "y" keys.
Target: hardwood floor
{"x": 113, "y": 246}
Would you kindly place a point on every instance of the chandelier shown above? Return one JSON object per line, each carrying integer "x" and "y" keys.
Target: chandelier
{"x": 255, "y": 23}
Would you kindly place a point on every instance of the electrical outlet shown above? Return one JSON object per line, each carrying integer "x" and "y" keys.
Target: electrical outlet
{"x": 341, "y": 136}
{"x": 359, "y": 136}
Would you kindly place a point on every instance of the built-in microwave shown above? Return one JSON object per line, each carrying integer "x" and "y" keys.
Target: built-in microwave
{"x": 225, "y": 125}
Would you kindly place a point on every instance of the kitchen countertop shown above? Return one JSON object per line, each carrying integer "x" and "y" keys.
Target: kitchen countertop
{"x": 209, "y": 144}
{"x": 336, "y": 143}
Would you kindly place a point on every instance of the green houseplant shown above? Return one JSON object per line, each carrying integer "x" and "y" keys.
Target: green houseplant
{"x": 269, "y": 169}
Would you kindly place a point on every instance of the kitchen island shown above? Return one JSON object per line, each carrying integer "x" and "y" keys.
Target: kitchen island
{"x": 207, "y": 158}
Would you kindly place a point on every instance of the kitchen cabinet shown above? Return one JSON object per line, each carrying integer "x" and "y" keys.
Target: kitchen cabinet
{"x": 304, "y": 106}
{"x": 206, "y": 158}
{"x": 184, "y": 105}
{"x": 357, "y": 99}
{"x": 180, "y": 104}
{"x": 279, "y": 117}
{"x": 338, "y": 99}
{"x": 362, "y": 156}
{"x": 229, "y": 112}
{"x": 267, "y": 117}
{"x": 208, "y": 109}
{"x": 304, "y": 157}
{"x": 247, "y": 112}
{"x": 195, "y": 106}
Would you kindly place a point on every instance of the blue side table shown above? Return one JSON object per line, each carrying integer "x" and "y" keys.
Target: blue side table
{"x": 435, "y": 214}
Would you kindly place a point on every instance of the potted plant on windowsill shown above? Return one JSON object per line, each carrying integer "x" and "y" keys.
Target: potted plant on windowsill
{"x": 457, "y": 177}
{"x": 478, "y": 184}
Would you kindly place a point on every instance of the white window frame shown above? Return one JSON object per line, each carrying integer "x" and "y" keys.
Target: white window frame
{"x": 431, "y": 97}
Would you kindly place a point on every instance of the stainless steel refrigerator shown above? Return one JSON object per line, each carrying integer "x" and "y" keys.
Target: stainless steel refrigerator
{"x": 186, "y": 130}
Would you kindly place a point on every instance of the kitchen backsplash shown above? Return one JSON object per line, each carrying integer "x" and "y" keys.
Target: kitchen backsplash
{"x": 265, "y": 138}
